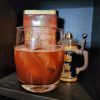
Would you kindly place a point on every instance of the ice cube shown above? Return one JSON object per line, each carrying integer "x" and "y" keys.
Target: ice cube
{"x": 33, "y": 43}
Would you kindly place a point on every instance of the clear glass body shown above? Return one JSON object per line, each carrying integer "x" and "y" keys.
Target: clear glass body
{"x": 38, "y": 64}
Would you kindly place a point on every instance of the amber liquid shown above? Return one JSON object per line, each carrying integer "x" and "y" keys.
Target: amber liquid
{"x": 39, "y": 67}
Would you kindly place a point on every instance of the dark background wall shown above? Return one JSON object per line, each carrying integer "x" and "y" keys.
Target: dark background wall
{"x": 95, "y": 47}
{"x": 7, "y": 37}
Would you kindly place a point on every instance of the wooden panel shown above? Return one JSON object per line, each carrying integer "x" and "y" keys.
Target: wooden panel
{"x": 7, "y": 38}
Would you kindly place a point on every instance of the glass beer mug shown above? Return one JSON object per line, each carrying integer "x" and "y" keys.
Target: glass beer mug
{"x": 38, "y": 58}
{"x": 70, "y": 69}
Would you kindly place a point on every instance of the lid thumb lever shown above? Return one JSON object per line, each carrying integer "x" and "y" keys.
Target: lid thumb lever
{"x": 84, "y": 36}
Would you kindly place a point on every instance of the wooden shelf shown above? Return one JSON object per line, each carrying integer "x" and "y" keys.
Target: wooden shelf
{"x": 81, "y": 90}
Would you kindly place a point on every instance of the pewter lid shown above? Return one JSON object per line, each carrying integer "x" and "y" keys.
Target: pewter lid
{"x": 68, "y": 35}
{"x": 69, "y": 39}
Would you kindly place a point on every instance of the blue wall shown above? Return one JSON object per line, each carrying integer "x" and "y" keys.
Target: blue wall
{"x": 78, "y": 21}
{"x": 77, "y": 15}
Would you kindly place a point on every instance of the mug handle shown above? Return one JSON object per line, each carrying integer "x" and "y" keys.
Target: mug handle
{"x": 85, "y": 54}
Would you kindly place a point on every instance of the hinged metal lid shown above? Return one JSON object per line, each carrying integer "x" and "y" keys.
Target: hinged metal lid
{"x": 69, "y": 39}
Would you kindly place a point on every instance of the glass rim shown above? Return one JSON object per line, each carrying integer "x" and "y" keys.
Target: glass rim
{"x": 56, "y": 28}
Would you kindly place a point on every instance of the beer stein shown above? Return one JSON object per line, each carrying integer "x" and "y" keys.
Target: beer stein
{"x": 70, "y": 69}
{"x": 38, "y": 58}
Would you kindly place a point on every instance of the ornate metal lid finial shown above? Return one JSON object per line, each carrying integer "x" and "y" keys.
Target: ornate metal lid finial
{"x": 68, "y": 35}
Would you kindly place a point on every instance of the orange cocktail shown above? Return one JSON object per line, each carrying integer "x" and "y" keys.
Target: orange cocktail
{"x": 39, "y": 67}
{"x": 38, "y": 60}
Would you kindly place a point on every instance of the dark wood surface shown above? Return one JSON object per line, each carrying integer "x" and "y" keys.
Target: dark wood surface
{"x": 81, "y": 90}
